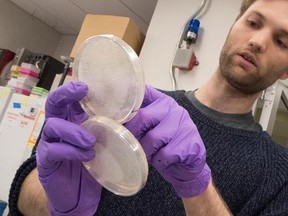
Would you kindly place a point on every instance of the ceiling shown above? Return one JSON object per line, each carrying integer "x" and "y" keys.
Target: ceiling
{"x": 66, "y": 16}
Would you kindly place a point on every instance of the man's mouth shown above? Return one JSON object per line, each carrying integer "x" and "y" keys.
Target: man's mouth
{"x": 249, "y": 57}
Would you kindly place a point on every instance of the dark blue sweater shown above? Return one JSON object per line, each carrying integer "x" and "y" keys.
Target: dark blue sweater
{"x": 248, "y": 168}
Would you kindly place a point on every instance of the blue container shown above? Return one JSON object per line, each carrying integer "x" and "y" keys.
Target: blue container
{"x": 3, "y": 206}
{"x": 194, "y": 26}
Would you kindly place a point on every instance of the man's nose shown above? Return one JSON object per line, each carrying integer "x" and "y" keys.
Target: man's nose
{"x": 259, "y": 41}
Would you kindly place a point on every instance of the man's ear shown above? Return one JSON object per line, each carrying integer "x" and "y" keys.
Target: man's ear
{"x": 284, "y": 76}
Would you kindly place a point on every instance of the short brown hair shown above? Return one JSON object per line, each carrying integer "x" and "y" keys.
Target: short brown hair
{"x": 244, "y": 6}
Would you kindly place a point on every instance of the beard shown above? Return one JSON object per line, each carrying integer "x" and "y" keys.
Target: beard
{"x": 244, "y": 81}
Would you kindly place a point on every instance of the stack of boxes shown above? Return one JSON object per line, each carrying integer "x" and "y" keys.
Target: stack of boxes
{"x": 39, "y": 91}
{"x": 24, "y": 78}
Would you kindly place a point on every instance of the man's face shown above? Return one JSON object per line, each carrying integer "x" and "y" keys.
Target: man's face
{"x": 255, "y": 53}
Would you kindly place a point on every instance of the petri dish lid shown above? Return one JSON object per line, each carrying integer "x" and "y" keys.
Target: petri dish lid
{"x": 120, "y": 164}
{"x": 113, "y": 73}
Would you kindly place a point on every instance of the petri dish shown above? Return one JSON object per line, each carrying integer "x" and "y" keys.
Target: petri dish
{"x": 120, "y": 163}
{"x": 113, "y": 73}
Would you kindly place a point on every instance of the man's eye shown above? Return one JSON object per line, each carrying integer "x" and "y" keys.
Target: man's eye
{"x": 252, "y": 23}
{"x": 281, "y": 43}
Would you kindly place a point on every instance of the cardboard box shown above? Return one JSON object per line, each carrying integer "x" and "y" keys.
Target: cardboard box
{"x": 122, "y": 27}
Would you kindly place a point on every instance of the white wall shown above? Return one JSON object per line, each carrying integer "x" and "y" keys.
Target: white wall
{"x": 163, "y": 34}
{"x": 65, "y": 45}
{"x": 19, "y": 29}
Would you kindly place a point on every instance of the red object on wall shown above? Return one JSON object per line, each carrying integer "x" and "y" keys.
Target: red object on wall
{"x": 193, "y": 62}
{"x": 6, "y": 56}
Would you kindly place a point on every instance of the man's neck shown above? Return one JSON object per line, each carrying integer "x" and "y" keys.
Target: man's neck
{"x": 219, "y": 95}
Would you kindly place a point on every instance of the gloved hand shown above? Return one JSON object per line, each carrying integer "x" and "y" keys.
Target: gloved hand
{"x": 171, "y": 142}
{"x": 64, "y": 144}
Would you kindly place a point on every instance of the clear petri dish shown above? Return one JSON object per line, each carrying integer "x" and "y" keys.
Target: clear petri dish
{"x": 120, "y": 163}
{"x": 113, "y": 73}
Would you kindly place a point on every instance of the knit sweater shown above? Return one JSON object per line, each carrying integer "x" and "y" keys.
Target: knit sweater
{"x": 248, "y": 168}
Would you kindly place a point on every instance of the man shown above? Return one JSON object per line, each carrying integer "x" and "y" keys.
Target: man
{"x": 249, "y": 172}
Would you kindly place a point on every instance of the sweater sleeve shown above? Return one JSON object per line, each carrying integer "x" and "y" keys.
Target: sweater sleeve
{"x": 279, "y": 205}
{"x": 22, "y": 172}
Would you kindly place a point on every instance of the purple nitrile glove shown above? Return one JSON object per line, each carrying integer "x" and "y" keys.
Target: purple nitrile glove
{"x": 172, "y": 143}
{"x": 64, "y": 144}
